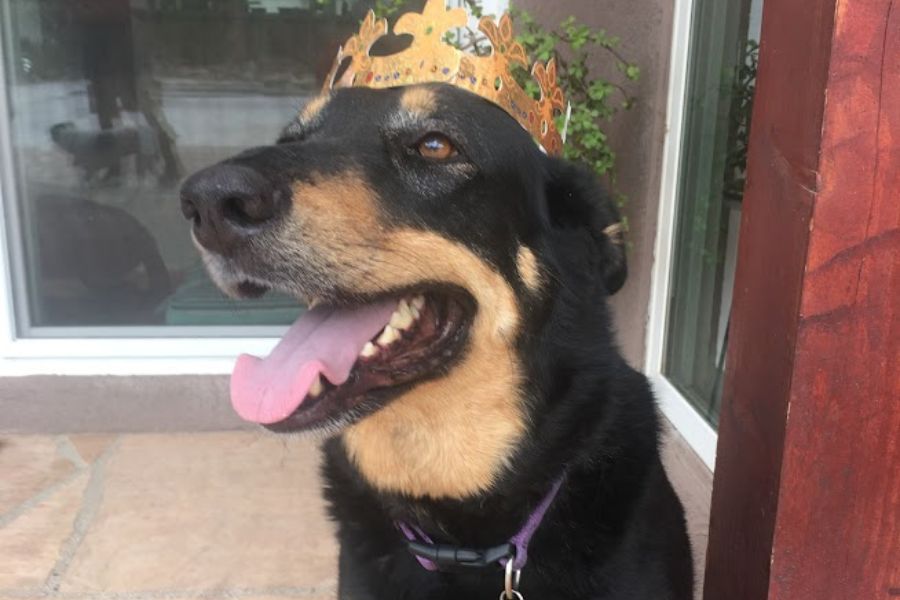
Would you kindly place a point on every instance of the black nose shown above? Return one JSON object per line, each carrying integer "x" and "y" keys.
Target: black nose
{"x": 227, "y": 204}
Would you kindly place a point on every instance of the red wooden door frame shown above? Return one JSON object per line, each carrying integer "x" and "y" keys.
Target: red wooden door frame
{"x": 806, "y": 499}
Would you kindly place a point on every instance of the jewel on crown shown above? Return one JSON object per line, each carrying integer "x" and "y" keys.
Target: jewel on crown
{"x": 430, "y": 59}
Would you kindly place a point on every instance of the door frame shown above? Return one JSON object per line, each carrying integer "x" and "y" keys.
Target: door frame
{"x": 805, "y": 495}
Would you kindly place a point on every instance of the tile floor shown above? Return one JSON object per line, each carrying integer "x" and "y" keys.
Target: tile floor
{"x": 178, "y": 516}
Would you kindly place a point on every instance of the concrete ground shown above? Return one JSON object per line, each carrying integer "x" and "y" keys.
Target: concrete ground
{"x": 199, "y": 515}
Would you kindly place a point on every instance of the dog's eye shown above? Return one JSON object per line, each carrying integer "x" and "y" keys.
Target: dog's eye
{"x": 436, "y": 146}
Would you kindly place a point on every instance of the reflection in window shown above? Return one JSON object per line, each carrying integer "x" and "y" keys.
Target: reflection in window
{"x": 722, "y": 79}
{"x": 112, "y": 103}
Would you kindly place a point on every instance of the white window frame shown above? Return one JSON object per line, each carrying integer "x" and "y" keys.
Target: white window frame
{"x": 184, "y": 354}
{"x": 686, "y": 419}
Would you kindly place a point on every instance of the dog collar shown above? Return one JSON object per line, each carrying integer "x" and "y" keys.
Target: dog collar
{"x": 433, "y": 556}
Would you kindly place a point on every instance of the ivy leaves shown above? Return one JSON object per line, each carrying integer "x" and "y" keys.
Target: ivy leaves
{"x": 594, "y": 99}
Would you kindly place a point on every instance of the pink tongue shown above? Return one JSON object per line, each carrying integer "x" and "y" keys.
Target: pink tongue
{"x": 323, "y": 340}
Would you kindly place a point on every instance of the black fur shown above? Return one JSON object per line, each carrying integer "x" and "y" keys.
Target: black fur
{"x": 616, "y": 530}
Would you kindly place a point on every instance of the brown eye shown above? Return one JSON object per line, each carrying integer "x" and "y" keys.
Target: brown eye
{"x": 436, "y": 146}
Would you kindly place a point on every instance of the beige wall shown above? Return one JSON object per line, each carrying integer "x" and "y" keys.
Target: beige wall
{"x": 645, "y": 28}
{"x": 74, "y": 404}
{"x": 50, "y": 404}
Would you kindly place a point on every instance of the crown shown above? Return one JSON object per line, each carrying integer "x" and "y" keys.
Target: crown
{"x": 431, "y": 59}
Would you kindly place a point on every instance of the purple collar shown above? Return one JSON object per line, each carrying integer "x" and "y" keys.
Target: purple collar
{"x": 431, "y": 556}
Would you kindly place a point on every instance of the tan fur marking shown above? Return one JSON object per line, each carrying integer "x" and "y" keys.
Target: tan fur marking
{"x": 336, "y": 206}
{"x": 528, "y": 267}
{"x": 448, "y": 438}
{"x": 314, "y": 107}
{"x": 419, "y": 101}
{"x": 332, "y": 220}
{"x": 615, "y": 232}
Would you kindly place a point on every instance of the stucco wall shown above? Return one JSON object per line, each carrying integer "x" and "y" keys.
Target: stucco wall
{"x": 645, "y": 28}
{"x": 56, "y": 404}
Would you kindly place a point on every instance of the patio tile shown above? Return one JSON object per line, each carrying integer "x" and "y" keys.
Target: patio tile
{"x": 313, "y": 594}
{"x": 328, "y": 592}
{"x": 91, "y": 446}
{"x": 692, "y": 481}
{"x": 187, "y": 516}
{"x": 239, "y": 510}
{"x": 29, "y": 464}
{"x": 31, "y": 543}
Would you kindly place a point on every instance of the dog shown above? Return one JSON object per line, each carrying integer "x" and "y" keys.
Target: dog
{"x": 105, "y": 248}
{"x": 458, "y": 354}
{"x": 99, "y": 153}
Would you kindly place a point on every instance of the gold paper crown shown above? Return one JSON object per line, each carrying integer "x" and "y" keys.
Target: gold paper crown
{"x": 431, "y": 59}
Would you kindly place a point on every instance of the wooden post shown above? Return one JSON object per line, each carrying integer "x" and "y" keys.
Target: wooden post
{"x": 806, "y": 499}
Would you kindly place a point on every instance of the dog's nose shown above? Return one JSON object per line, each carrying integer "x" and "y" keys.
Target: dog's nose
{"x": 227, "y": 204}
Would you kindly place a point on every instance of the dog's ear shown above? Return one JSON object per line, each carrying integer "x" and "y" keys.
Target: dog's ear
{"x": 577, "y": 201}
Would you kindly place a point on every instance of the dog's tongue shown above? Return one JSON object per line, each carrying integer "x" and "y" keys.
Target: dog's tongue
{"x": 323, "y": 340}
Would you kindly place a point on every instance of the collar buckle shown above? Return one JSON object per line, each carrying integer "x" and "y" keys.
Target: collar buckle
{"x": 445, "y": 555}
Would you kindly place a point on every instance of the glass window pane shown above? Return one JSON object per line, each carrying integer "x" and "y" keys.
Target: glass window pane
{"x": 112, "y": 103}
{"x": 722, "y": 77}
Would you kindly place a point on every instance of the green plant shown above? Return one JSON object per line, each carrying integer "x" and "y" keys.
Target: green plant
{"x": 743, "y": 89}
{"x": 594, "y": 99}
{"x": 388, "y": 8}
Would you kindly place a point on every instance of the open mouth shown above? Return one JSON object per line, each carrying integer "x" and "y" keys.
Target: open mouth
{"x": 338, "y": 363}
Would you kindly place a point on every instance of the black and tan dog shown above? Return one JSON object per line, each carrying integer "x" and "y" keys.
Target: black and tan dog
{"x": 459, "y": 354}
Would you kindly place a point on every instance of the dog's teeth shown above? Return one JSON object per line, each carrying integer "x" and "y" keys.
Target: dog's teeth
{"x": 414, "y": 311}
{"x": 316, "y": 387}
{"x": 313, "y": 303}
{"x": 418, "y": 302}
{"x": 388, "y": 336}
{"x": 369, "y": 350}
{"x": 402, "y": 317}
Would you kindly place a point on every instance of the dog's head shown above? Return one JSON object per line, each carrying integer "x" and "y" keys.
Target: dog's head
{"x": 433, "y": 239}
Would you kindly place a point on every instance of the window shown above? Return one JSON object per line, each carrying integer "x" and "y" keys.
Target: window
{"x": 104, "y": 106}
{"x": 721, "y": 79}
{"x": 109, "y": 104}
